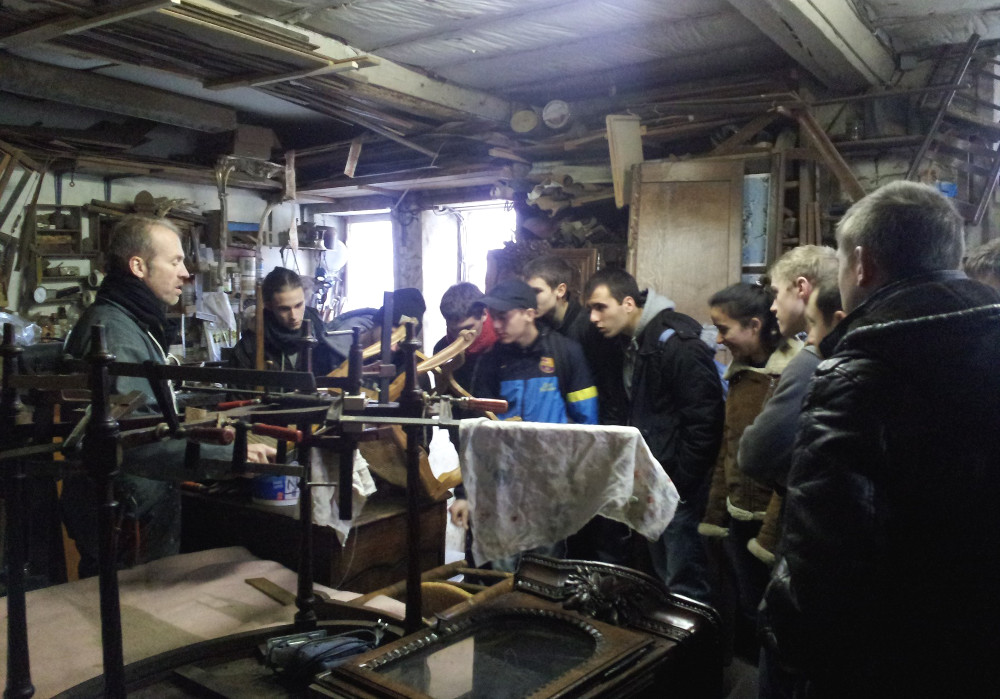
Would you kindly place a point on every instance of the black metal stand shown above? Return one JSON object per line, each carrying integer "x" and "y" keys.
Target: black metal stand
{"x": 18, "y": 663}
{"x": 101, "y": 459}
{"x": 305, "y": 600}
{"x": 411, "y": 405}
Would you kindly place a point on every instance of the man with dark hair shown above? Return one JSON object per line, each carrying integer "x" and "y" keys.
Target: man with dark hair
{"x": 983, "y": 263}
{"x": 823, "y": 312}
{"x": 552, "y": 279}
{"x": 887, "y": 577}
{"x": 145, "y": 273}
{"x": 463, "y": 309}
{"x": 659, "y": 376}
{"x": 284, "y": 310}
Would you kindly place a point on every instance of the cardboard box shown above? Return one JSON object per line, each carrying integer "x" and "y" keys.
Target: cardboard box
{"x": 254, "y": 142}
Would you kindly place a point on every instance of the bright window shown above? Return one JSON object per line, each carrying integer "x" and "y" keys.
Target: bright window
{"x": 487, "y": 227}
{"x": 369, "y": 263}
{"x": 456, "y": 239}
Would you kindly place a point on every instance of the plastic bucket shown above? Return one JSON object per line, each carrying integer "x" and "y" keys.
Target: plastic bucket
{"x": 276, "y": 490}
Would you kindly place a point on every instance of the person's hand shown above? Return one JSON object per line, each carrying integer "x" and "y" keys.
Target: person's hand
{"x": 459, "y": 512}
{"x": 260, "y": 453}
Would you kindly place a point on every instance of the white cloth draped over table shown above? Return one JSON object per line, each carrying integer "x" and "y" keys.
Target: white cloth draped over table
{"x": 531, "y": 483}
{"x": 326, "y": 469}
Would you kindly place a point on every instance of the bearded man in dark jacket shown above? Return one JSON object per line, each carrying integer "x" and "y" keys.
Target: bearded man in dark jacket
{"x": 888, "y": 578}
{"x": 653, "y": 371}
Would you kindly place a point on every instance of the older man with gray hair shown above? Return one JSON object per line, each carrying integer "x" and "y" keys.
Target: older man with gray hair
{"x": 888, "y": 578}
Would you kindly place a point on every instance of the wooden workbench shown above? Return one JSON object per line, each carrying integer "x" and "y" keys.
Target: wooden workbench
{"x": 374, "y": 556}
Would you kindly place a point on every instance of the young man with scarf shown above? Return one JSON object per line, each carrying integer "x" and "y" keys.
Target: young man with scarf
{"x": 284, "y": 311}
{"x": 145, "y": 274}
{"x": 463, "y": 309}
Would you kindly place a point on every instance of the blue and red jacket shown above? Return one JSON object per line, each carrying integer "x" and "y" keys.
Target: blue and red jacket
{"x": 547, "y": 381}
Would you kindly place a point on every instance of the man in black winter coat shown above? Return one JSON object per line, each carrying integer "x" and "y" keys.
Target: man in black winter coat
{"x": 653, "y": 371}
{"x": 888, "y": 577}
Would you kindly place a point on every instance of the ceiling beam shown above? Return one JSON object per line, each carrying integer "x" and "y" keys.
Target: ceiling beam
{"x": 826, "y": 37}
{"x": 85, "y": 89}
{"x": 388, "y": 75}
{"x": 60, "y": 26}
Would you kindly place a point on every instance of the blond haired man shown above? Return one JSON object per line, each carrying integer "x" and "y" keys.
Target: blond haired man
{"x": 765, "y": 452}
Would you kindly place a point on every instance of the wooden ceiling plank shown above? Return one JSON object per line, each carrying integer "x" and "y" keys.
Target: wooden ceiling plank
{"x": 241, "y": 33}
{"x": 394, "y": 77}
{"x": 61, "y": 26}
{"x": 831, "y": 42}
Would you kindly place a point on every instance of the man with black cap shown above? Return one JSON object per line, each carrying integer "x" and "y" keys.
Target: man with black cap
{"x": 541, "y": 374}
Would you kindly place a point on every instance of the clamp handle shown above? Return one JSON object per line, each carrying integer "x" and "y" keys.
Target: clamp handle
{"x": 493, "y": 405}
{"x": 210, "y": 435}
{"x": 286, "y": 434}
{"x": 229, "y": 405}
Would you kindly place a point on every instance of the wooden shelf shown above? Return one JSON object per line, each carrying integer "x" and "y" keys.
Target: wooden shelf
{"x": 879, "y": 144}
{"x": 69, "y": 255}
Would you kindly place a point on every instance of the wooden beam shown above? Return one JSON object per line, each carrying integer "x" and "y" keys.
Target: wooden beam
{"x": 341, "y": 66}
{"x": 86, "y": 89}
{"x": 746, "y": 132}
{"x": 353, "y": 155}
{"x": 387, "y": 75}
{"x": 828, "y": 39}
{"x": 60, "y": 26}
{"x": 831, "y": 156}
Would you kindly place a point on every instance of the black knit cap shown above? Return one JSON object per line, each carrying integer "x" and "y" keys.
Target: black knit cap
{"x": 510, "y": 294}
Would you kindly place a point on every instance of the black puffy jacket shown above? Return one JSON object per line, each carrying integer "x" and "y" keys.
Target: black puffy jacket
{"x": 888, "y": 581}
{"x": 676, "y": 400}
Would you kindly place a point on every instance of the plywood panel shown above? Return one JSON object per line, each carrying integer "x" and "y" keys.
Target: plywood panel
{"x": 685, "y": 230}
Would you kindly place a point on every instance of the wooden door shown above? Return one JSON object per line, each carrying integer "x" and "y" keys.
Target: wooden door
{"x": 685, "y": 230}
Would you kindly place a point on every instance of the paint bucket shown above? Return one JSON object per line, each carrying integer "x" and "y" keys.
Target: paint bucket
{"x": 276, "y": 490}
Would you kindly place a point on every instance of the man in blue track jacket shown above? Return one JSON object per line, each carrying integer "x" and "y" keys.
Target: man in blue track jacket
{"x": 541, "y": 374}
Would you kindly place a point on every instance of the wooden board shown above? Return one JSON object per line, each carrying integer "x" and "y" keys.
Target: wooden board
{"x": 685, "y": 230}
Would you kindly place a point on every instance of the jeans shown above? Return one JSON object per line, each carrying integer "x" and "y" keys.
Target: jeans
{"x": 750, "y": 576}
{"x": 775, "y": 682}
{"x": 679, "y": 554}
{"x": 150, "y": 519}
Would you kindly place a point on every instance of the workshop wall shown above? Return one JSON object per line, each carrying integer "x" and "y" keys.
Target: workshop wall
{"x": 245, "y": 206}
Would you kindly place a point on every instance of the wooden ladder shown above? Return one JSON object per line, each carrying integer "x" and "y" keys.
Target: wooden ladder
{"x": 960, "y": 153}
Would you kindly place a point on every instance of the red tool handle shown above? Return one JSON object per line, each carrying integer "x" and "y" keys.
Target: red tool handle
{"x": 284, "y": 433}
{"x": 210, "y": 435}
{"x": 493, "y": 405}
{"x": 237, "y": 404}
